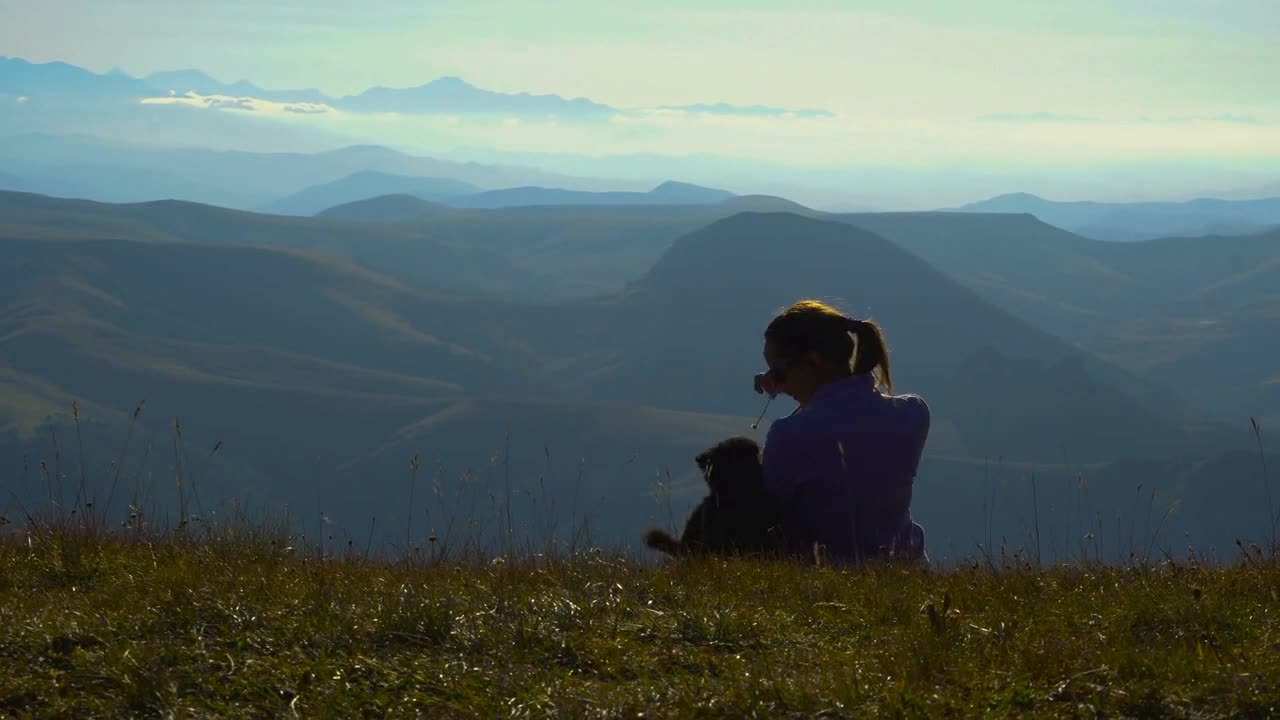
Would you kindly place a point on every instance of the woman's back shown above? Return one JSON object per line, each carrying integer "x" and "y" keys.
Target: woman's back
{"x": 843, "y": 467}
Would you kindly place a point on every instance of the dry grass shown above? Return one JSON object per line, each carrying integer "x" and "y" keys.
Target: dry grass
{"x": 246, "y": 623}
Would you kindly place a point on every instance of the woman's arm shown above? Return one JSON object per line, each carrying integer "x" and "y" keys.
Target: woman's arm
{"x": 777, "y": 462}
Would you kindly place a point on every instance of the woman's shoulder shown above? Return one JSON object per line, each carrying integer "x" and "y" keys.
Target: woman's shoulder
{"x": 912, "y": 404}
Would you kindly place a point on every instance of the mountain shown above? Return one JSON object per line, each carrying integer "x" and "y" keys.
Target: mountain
{"x": 55, "y": 81}
{"x": 326, "y": 376}
{"x": 1143, "y": 220}
{"x": 1166, "y": 308}
{"x": 320, "y": 376}
{"x": 578, "y": 250}
{"x": 401, "y": 252}
{"x": 366, "y": 186}
{"x": 362, "y": 186}
{"x": 236, "y": 178}
{"x": 673, "y": 192}
{"x": 181, "y": 82}
{"x": 709, "y": 297}
{"x": 668, "y": 193}
{"x": 455, "y": 95}
{"x": 384, "y": 208}
{"x": 41, "y": 185}
{"x": 115, "y": 184}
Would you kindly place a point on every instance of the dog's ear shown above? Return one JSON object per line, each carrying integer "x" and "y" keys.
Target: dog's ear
{"x": 705, "y": 464}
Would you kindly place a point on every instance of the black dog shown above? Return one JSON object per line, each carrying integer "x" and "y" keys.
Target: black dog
{"x": 738, "y": 517}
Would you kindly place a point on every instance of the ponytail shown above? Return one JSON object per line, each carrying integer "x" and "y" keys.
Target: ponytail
{"x": 812, "y": 325}
{"x": 872, "y": 353}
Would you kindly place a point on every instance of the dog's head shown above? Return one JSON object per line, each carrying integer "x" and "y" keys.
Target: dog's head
{"x": 731, "y": 465}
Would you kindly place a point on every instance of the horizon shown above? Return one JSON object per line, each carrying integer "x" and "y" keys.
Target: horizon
{"x": 1087, "y": 102}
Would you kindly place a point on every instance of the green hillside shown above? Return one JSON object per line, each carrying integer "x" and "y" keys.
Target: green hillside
{"x": 259, "y": 625}
{"x": 321, "y": 376}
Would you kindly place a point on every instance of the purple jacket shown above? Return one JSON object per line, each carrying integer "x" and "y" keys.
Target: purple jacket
{"x": 843, "y": 468}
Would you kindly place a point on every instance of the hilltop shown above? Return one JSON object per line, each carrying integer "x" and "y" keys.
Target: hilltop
{"x": 258, "y": 623}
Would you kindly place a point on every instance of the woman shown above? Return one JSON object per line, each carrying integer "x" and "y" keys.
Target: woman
{"x": 842, "y": 465}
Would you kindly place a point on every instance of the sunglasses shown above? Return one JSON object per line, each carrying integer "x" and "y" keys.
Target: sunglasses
{"x": 779, "y": 374}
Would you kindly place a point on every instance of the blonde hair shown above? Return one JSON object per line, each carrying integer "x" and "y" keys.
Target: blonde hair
{"x": 815, "y": 326}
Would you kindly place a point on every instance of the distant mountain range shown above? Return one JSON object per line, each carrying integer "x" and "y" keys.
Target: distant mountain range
{"x": 366, "y": 184}
{"x": 96, "y": 169}
{"x": 1141, "y": 220}
{"x": 325, "y": 353}
{"x": 59, "y": 81}
{"x": 370, "y": 185}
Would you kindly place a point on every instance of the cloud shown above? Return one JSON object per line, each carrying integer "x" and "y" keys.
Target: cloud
{"x": 246, "y": 104}
{"x": 779, "y": 124}
{"x": 1238, "y": 119}
{"x": 23, "y": 100}
{"x": 1038, "y": 117}
{"x": 748, "y": 110}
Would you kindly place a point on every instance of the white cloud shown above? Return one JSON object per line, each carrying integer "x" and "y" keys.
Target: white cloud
{"x": 249, "y": 104}
{"x": 1037, "y": 140}
{"x": 23, "y": 100}
{"x": 1038, "y": 117}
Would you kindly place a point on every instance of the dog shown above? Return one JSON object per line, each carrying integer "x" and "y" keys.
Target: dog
{"x": 738, "y": 516}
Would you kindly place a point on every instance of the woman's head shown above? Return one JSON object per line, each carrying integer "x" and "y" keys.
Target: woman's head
{"x": 811, "y": 344}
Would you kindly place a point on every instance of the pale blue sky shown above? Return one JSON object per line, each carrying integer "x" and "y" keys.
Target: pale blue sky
{"x": 914, "y": 83}
{"x": 1100, "y": 57}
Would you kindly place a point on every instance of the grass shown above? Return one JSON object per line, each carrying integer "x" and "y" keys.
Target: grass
{"x": 246, "y": 624}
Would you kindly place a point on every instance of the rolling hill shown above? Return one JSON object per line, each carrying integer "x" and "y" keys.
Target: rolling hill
{"x": 1165, "y": 309}
{"x": 330, "y": 199}
{"x": 402, "y": 252}
{"x": 1141, "y": 220}
{"x": 254, "y": 178}
{"x": 362, "y": 186}
{"x": 667, "y": 193}
{"x": 324, "y": 376}
{"x": 708, "y": 299}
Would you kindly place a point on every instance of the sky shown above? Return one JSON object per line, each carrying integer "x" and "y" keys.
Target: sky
{"x": 1001, "y": 85}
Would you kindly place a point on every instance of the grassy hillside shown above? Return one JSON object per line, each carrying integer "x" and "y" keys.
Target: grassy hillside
{"x": 252, "y": 624}
{"x": 1164, "y": 308}
{"x": 400, "y": 252}
{"x": 1141, "y": 220}
{"x": 324, "y": 377}
{"x": 706, "y": 301}
{"x": 364, "y": 185}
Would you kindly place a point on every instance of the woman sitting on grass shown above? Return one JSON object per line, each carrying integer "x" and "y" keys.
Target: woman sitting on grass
{"x": 842, "y": 465}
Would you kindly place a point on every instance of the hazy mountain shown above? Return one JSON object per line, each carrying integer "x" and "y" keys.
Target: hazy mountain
{"x": 455, "y": 95}
{"x": 327, "y": 389}
{"x": 399, "y": 251}
{"x": 384, "y": 208}
{"x": 673, "y": 192}
{"x": 56, "y": 80}
{"x": 181, "y": 82}
{"x": 1158, "y": 308}
{"x": 115, "y": 184}
{"x": 362, "y": 186}
{"x": 365, "y": 186}
{"x": 326, "y": 377}
{"x": 41, "y": 185}
{"x": 1167, "y": 308}
{"x": 579, "y": 250}
{"x": 252, "y": 178}
{"x": 1142, "y": 220}
{"x": 668, "y": 193}
{"x": 715, "y": 289}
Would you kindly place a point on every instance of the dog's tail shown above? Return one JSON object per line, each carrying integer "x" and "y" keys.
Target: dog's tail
{"x": 663, "y": 542}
